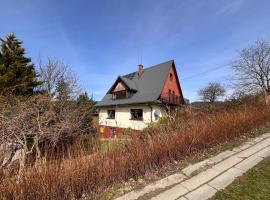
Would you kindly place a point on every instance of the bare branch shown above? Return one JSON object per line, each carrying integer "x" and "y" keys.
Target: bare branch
{"x": 52, "y": 71}
{"x": 252, "y": 68}
{"x": 212, "y": 92}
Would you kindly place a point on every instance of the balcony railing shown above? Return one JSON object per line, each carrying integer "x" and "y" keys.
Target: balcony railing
{"x": 171, "y": 99}
{"x": 123, "y": 94}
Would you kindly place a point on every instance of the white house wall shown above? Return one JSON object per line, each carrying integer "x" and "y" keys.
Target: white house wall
{"x": 122, "y": 116}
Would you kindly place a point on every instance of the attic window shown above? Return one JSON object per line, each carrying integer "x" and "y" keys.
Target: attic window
{"x": 122, "y": 94}
{"x": 171, "y": 76}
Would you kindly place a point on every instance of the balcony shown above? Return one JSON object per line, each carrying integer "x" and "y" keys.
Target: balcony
{"x": 171, "y": 99}
{"x": 123, "y": 94}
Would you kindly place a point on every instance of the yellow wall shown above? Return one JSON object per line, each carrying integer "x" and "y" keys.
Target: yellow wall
{"x": 122, "y": 116}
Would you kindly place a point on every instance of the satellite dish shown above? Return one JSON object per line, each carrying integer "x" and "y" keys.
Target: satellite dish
{"x": 157, "y": 114}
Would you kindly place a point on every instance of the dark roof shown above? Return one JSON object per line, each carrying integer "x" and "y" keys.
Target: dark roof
{"x": 128, "y": 82}
{"x": 148, "y": 87}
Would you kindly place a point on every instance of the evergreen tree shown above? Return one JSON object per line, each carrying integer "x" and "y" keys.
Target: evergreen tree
{"x": 62, "y": 89}
{"x": 86, "y": 106}
{"x": 17, "y": 73}
{"x": 85, "y": 99}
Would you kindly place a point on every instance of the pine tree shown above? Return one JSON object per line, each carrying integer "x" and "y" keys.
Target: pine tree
{"x": 17, "y": 73}
{"x": 62, "y": 89}
{"x": 83, "y": 98}
{"x": 86, "y": 106}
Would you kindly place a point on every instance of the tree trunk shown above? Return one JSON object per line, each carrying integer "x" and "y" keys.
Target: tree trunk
{"x": 267, "y": 99}
{"x": 22, "y": 163}
{"x": 38, "y": 152}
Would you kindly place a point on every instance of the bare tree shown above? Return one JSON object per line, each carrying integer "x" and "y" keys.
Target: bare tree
{"x": 52, "y": 71}
{"x": 212, "y": 92}
{"x": 252, "y": 69}
{"x": 37, "y": 121}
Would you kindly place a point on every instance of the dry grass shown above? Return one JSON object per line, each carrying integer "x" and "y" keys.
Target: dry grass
{"x": 176, "y": 138}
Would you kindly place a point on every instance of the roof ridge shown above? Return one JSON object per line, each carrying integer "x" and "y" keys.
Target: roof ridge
{"x": 158, "y": 64}
{"x": 147, "y": 68}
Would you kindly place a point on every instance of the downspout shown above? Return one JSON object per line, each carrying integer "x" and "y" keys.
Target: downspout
{"x": 151, "y": 108}
{"x": 115, "y": 119}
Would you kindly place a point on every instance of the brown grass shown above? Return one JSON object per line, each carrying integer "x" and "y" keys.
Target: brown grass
{"x": 176, "y": 138}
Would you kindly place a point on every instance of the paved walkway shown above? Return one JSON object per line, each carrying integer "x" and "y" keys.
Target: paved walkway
{"x": 202, "y": 180}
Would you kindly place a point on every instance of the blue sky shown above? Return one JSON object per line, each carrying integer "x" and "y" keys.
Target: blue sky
{"x": 106, "y": 38}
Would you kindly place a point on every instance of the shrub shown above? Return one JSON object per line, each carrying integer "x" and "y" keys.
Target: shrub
{"x": 177, "y": 137}
{"x": 38, "y": 123}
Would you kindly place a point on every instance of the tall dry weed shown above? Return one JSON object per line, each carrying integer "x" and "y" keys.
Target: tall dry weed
{"x": 184, "y": 134}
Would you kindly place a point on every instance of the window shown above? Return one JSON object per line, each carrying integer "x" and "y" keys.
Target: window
{"x": 111, "y": 114}
{"x": 171, "y": 76}
{"x": 122, "y": 94}
{"x": 136, "y": 114}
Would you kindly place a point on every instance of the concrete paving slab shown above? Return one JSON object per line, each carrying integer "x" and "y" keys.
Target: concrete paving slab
{"x": 200, "y": 179}
{"x": 265, "y": 135}
{"x": 223, "y": 180}
{"x": 236, "y": 149}
{"x": 248, "y": 163}
{"x": 264, "y": 152}
{"x": 236, "y": 172}
{"x": 245, "y": 146}
{"x": 255, "y": 148}
{"x": 195, "y": 167}
{"x": 182, "y": 198}
{"x": 172, "y": 194}
{"x": 258, "y": 139}
{"x": 213, "y": 160}
{"x": 221, "y": 156}
{"x": 163, "y": 183}
{"x": 227, "y": 164}
{"x": 252, "y": 142}
{"x": 202, "y": 193}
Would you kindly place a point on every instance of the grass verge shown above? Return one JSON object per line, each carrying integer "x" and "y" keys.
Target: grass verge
{"x": 253, "y": 185}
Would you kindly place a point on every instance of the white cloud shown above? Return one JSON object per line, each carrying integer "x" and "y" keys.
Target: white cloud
{"x": 231, "y": 7}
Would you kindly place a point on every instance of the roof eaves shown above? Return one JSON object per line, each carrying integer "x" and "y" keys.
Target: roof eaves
{"x": 127, "y": 104}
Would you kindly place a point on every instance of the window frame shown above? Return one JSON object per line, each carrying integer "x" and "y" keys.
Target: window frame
{"x": 136, "y": 118}
{"x": 122, "y": 94}
{"x": 108, "y": 114}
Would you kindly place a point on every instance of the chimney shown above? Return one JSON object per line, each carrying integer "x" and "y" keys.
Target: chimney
{"x": 140, "y": 70}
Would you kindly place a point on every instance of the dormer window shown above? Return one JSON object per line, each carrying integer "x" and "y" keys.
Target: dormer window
{"x": 121, "y": 94}
{"x": 121, "y": 90}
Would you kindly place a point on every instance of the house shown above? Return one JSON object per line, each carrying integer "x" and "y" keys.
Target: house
{"x": 139, "y": 98}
